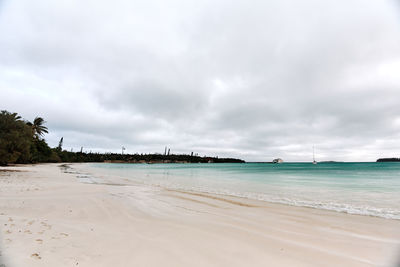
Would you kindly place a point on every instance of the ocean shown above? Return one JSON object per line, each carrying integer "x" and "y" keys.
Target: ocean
{"x": 357, "y": 188}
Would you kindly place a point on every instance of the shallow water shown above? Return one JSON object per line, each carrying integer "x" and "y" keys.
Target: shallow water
{"x": 357, "y": 188}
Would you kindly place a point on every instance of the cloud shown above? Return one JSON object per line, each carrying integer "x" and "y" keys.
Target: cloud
{"x": 253, "y": 80}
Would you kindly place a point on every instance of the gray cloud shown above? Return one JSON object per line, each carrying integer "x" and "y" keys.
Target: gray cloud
{"x": 253, "y": 80}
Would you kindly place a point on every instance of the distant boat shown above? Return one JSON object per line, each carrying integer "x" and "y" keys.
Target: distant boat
{"x": 313, "y": 156}
{"x": 278, "y": 160}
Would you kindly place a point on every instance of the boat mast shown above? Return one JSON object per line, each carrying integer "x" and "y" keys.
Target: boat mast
{"x": 313, "y": 154}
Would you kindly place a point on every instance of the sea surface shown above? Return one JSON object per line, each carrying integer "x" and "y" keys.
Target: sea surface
{"x": 357, "y": 188}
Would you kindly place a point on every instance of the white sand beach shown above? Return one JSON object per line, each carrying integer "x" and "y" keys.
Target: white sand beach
{"x": 49, "y": 218}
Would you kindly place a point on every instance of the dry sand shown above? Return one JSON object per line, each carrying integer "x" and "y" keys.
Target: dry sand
{"x": 49, "y": 218}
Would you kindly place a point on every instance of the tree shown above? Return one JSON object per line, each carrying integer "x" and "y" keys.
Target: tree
{"x": 59, "y": 148}
{"x": 40, "y": 151}
{"x": 38, "y": 129}
{"x": 15, "y": 139}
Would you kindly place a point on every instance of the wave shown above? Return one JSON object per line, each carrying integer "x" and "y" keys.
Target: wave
{"x": 387, "y": 213}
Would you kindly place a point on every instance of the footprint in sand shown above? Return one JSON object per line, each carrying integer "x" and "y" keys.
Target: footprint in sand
{"x": 36, "y": 256}
{"x": 10, "y": 219}
{"x": 48, "y": 226}
{"x": 8, "y": 232}
{"x": 40, "y": 241}
{"x": 64, "y": 234}
{"x": 28, "y": 232}
{"x": 31, "y": 222}
{"x": 8, "y": 240}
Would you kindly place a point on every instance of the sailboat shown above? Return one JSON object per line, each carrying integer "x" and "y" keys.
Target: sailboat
{"x": 313, "y": 156}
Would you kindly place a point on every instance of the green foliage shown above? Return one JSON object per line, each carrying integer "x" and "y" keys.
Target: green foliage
{"x": 388, "y": 160}
{"x": 67, "y": 156}
{"x": 59, "y": 148}
{"x": 40, "y": 151}
{"x": 37, "y": 128}
{"x": 54, "y": 157}
{"x": 22, "y": 142}
{"x": 15, "y": 139}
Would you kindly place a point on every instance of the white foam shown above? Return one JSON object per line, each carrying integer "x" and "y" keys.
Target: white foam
{"x": 388, "y": 213}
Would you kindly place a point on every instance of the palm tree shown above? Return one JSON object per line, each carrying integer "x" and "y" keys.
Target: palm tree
{"x": 15, "y": 139}
{"x": 14, "y": 115}
{"x": 38, "y": 129}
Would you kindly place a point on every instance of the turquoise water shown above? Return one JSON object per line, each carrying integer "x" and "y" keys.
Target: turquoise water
{"x": 356, "y": 188}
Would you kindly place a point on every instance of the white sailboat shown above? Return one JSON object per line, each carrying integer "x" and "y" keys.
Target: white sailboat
{"x": 313, "y": 156}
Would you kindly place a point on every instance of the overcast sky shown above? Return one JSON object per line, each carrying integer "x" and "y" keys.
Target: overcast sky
{"x": 249, "y": 79}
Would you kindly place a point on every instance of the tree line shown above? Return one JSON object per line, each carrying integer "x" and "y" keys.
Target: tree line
{"x": 388, "y": 160}
{"x": 22, "y": 141}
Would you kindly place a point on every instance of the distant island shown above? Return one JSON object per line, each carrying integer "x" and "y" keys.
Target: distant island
{"x": 22, "y": 141}
{"x": 388, "y": 160}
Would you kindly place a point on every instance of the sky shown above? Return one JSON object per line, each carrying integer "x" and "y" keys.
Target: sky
{"x": 254, "y": 80}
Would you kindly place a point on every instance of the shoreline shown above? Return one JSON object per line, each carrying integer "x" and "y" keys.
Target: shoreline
{"x": 84, "y": 224}
{"x": 335, "y": 207}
